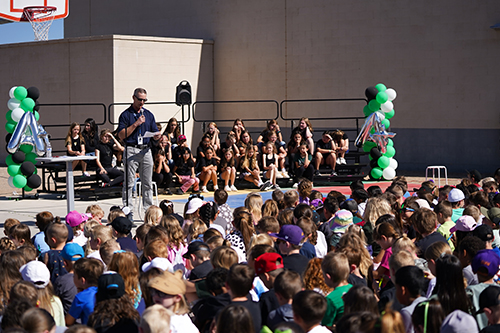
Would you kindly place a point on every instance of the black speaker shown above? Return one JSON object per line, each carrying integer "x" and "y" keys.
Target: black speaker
{"x": 183, "y": 94}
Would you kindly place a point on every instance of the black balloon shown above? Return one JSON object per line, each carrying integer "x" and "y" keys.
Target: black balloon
{"x": 18, "y": 157}
{"x": 373, "y": 163}
{"x": 375, "y": 153}
{"x": 37, "y": 106}
{"x": 7, "y": 137}
{"x": 34, "y": 181}
{"x": 33, "y": 93}
{"x": 27, "y": 168}
{"x": 371, "y": 93}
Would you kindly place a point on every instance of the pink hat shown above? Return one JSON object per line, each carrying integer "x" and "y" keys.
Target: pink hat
{"x": 181, "y": 137}
{"x": 464, "y": 223}
{"x": 74, "y": 218}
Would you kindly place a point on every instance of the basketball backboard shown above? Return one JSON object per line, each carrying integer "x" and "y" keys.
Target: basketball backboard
{"x": 12, "y": 10}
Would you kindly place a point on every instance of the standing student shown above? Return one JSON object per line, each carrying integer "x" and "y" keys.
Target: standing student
{"x": 133, "y": 124}
{"x": 75, "y": 146}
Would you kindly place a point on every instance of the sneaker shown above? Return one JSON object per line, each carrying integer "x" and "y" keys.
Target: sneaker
{"x": 275, "y": 187}
{"x": 339, "y": 160}
{"x": 86, "y": 174}
{"x": 278, "y": 174}
{"x": 343, "y": 160}
{"x": 179, "y": 192}
{"x": 285, "y": 174}
{"x": 333, "y": 174}
{"x": 295, "y": 185}
{"x": 168, "y": 192}
{"x": 316, "y": 173}
{"x": 233, "y": 188}
{"x": 265, "y": 186}
{"x": 216, "y": 188}
{"x": 227, "y": 188}
{"x": 204, "y": 189}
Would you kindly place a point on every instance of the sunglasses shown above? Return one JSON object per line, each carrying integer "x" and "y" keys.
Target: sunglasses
{"x": 141, "y": 99}
{"x": 158, "y": 293}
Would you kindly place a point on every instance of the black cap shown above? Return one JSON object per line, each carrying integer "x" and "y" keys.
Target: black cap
{"x": 484, "y": 232}
{"x": 122, "y": 224}
{"x": 424, "y": 189}
{"x": 489, "y": 297}
{"x": 194, "y": 247}
{"x": 110, "y": 286}
{"x": 350, "y": 205}
{"x": 476, "y": 175}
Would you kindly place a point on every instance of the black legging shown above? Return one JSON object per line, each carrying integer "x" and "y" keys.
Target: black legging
{"x": 112, "y": 173}
{"x": 162, "y": 179}
{"x": 304, "y": 173}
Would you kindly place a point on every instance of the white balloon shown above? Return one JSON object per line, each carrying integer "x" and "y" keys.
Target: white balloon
{"x": 13, "y": 103}
{"x": 387, "y": 106}
{"x": 393, "y": 163}
{"x": 389, "y": 173}
{"x": 391, "y": 94}
{"x": 11, "y": 91}
{"x": 16, "y": 114}
{"x": 10, "y": 181}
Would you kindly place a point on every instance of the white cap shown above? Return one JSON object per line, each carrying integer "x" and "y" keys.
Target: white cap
{"x": 422, "y": 203}
{"x": 194, "y": 205}
{"x": 37, "y": 273}
{"x": 161, "y": 263}
{"x": 456, "y": 195}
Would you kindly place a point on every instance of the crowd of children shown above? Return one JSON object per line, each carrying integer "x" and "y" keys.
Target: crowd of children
{"x": 236, "y": 156}
{"x": 374, "y": 262}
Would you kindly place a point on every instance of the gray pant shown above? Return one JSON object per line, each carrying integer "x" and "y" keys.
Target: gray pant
{"x": 141, "y": 159}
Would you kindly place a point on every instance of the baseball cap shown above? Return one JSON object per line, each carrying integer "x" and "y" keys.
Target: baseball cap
{"x": 169, "y": 283}
{"x": 423, "y": 189}
{"x": 485, "y": 262}
{"x": 476, "y": 175}
{"x": 494, "y": 215}
{"x": 161, "y": 263}
{"x": 343, "y": 217}
{"x": 181, "y": 137}
{"x": 489, "y": 297}
{"x": 455, "y": 195}
{"x": 464, "y": 223}
{"x": 268, "y": 262}
{"x": 74, "y": 218}
{"x": 193, "y": 205}
{"x": 122, "y": 224}
{"x": 110, "y": 286}
{"x": 422, "y": 203}
{"x": 37, "y": 273}
{"x": 290, "y": 233}
{"x": 484, "y": 232}
{"x": 350, "y": 205}
{"x": 459, "y": 321}
{"x": 195, "y": 246}
{"x": 72, "y": 252}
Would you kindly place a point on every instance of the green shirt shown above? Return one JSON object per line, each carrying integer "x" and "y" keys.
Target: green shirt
{"x": 457, "y": 213}
{"x": 335, "y": 305}
{"x": 444, "y": 229}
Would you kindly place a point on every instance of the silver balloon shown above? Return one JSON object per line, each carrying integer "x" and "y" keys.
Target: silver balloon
{"x": 380, "y": 135}
{"x": 29, "y": 132}
{"x": 380, "y": 138}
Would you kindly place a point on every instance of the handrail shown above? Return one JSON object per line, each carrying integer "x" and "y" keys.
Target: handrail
{"x": 76, "y": 104}
{"x": 240, "y": 101}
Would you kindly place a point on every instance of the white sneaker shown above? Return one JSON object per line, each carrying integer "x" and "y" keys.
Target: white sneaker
{"x": 285, "y": 174}
{"x": 295, "y": 185}
{"x": 233, "y": 188}
{"x": 227, "y": 188}
{"x": 343, "y": 160}
{"x": 278, "y": 174}
{"x": 216, "y": 188}
{"x": 204, "y": 189}
{"x": 339, "y": 161}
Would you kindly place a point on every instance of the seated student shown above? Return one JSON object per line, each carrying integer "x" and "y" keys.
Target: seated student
{"x": 198, "y": 256}
{"x": 86, "y": 275}
{"x": 354, "y": 257}
{"x": 485, "y": 264}
{"x": 286, "y": 286}
{"x": 409, "y": 289}
{"x": 9, "y": 223}
{"x": 207, "y": 168}
{"x": 341, "y": 145}
{"x": 239, "y": 283}
{"x": 281, "y": 153}
{"x": 109, "y": 174}
{"x": 491, "y": 189}
{"x": 309, "y": 308}
{"x": 456, "y": 197}
{"x": 20, "y": 234}
{"x": 178, "y": 150}
{"x": 43, "y": 219}
{"x": 229, "y": 143}
{"x": 121, "y": 228}
{"x": 64, "y": 287}
{"x": 467, "y": 250}
{"x": 100, "y": 235}
{"x": 249, "y": 168}
{"x": 107, "y": 250}
{"x": 444, "y": 211}
{"x": 96, "y": 212}
{"x": 325, "y": 153}
{"x": 485, "y": 233}
{"x": 184, "y": 170}
{"x": 225, "y": 216}
{"x": 267, "y": 267}
{"x": 56, "y": 235}
{"x": 290, "y": 240}
{"x": 342, "y": 220}
{"x": 291, "y": 199}
{"x": 155, "y": 319}
{"x": 335, "y": 267}
{"x": 426, "y": 224}
{"x": 489, "y": 303}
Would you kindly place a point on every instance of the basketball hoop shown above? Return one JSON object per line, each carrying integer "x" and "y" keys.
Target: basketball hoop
{"x": 41, "y": 18}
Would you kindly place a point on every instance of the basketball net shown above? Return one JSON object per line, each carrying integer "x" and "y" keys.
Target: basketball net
{"x": 41, "y": 18}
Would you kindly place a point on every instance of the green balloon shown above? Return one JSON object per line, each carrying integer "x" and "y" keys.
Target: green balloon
{"x": 390, "y": 114}
{"x": 390, "y": 151}
{"x": 27, "y": 188}
{"x": 381, "y": 87}
{"x": 13, "y": 169}
{"x": 8, "y": 160}
{"x": 390, "y": 143}
{"x": 20, "y": 93}
{"x": 368, "y": 145}
{"x": 10, "y": 126}
{"x": 26, "y": 148}
{"x": 383, "y": 162}
{"x": 27, "y": 104}
{"x": 366, "y": 111}
{"x": 374, "y": 105}
{"x": 37, "y": 115}
{"x": 376, "y": 173}
{"x": 8, "y": 116}
{"x": 387, "y": 123}
{"x": 31, "y": 157}
{"x": 19, "y": 181}
{"x": 382, "y": 97}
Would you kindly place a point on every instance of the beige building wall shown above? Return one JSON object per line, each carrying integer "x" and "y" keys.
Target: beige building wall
{"x": 105, "y": 69}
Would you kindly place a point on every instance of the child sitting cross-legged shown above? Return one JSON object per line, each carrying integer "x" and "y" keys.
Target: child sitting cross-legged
{"x": 309, "y": 309}
{"x": 286, "y": 286}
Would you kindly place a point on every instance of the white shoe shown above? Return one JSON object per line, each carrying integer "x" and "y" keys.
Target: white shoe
{"x": 343, "y": 160}
{"x": 204, "y": 189}
{"x": 278, "y": 174}
{"x": 295, "y": 185}
{"x": 227, "y": 188}
{"x": 216, "y": 188}
{"x": 86, "y": 174}
{"x": 233, "y": 188}
{"x": 285, "y": 174}
{"x": 339, "y": 161}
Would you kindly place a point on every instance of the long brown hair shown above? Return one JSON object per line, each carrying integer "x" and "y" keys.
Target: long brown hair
{"x": 244, "y": 223}
{"x": 69, "y": 136}
{"x": 10, "y": 263}
{"x": 127, "y": 265}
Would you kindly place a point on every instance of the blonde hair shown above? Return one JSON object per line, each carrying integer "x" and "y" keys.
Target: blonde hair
{"x": 197, "y": 228}
{"x": 353, "y": 240}
{"x": 153, "y": 214}
{"x": 259, "y": 239}
{"x": 436, "y": 250}
{"x": 107, "y": 250}
{"x": 95, "y": 210}
{"x": 102, "y": 232}
{"x": 87, "y": 232}
{"x": 156, "y": 319}
{"x": 392, "y": 321}
{"x": 224, "y": 257}
{"x": 375, "y": 208}
{"x": 114, "y": 214}
{"x": 473, "y": 211}
{"x": 270, "y": 208}
{"x": 253, "y": 202}
{"x": 404, "y": 244}
{"x": 174, "y": 230}
{"x": 337, "y": 266}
